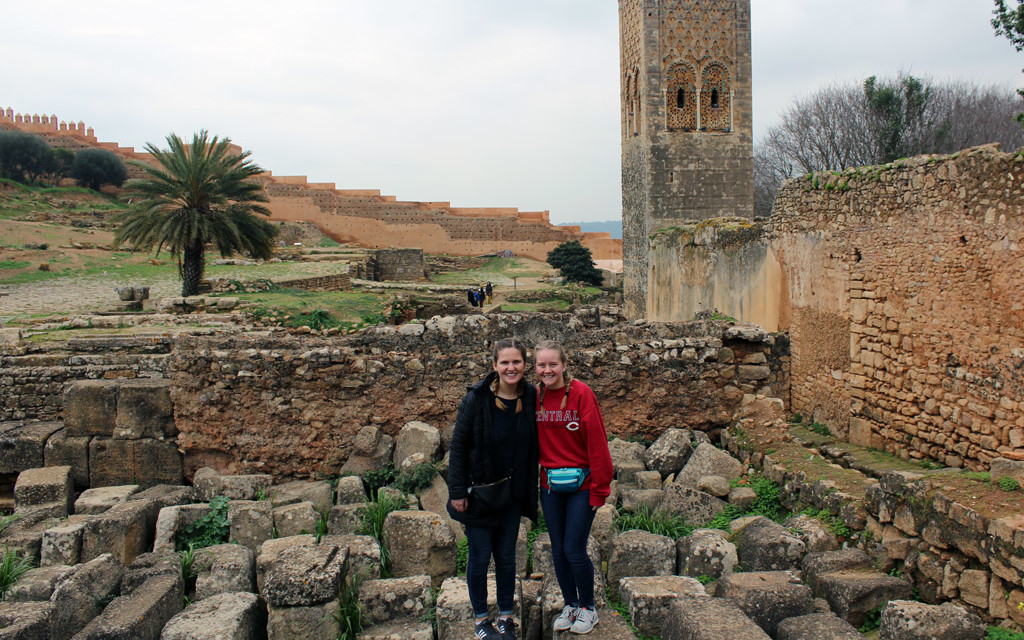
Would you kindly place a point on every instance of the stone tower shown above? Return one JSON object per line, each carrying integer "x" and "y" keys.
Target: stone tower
{"x": 686, "y": 125}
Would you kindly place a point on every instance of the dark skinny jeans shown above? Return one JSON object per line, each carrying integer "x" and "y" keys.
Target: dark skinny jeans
{"x": 569, "y": 517}
{"x": 499, "y": 541}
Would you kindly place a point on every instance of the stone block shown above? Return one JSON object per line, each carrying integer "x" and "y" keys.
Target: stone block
{"x": 319, "y": 493}
{"x": 394, "y": 599}
{"x": 404, "y": 630}
{"x": 670, "y": 452}
{"x": 542, "y": 563}
{"x": 817, "y": 626}
{"x": 350, "y": 490}
{"x": 22, "y": 444}
{"x": 363, "y": 555}
{"x": 344, "y": 519}
{"x": 270, "y": 550}
{"x": 637, "y": 499}
{"x": 295, "y": 519}
{"x": 416, "y": 437}
{"x": 742, "y": 497}
{"x": 603, "y": 529}
{"x": 851, "y": 594}
{"x": 454, "y": 613}
{"x": 623, "y": 451}
{"x": 145, "y": 462}
{"x": 79, "y": 597}
{"x": 173, "y": 519}
{"x": 27, "y": 621}
{"x": 166, "y": 495}
{"x": 707, "y": 460}
{"x": 225, "y": 568}
{"x": 813, "y": 532}
{"x": 150, "y": 565}
{"x": 435, "y": 499}
{"x": 372, "y": 450}
{"x": 210, "y": 484}
{"x": 715, "y": 485}
{"x": 815, "y": 564}
{"x": 45, "y": 486}
{"x": 227, "y": 616}
{"x": 648, "y": 480}
{"x": 251, "y": 522}
{"x": 123, "y": 531}
{"x": 90, "y": 407}
{"x": 627, "y": 471}
{"x": 767, "y": 597}
{"x": 650, "y": 598}
{"x": 974, "y": 587}
{"x": 100, "y": 499}
{"x": 144, "y": 410}
{"x": 315, "y": 622}
{"x": 905, "y": 620}
{"x": 763, "y": 545}
{"x": 73, "y": 451}
{"x": 640, "y": 553}
{"x": 1004, "y": 467}
{"x": 62, "y": 544}
{"x": 696, "y": 507}
{"x": 420, "y": 543}
{"x": 37, "y": 585}
{"x": 139, "y": 616}
{"x": 705, "y": 552}
{"x": 305, "y": 576}
{"x": 709, "y": 619}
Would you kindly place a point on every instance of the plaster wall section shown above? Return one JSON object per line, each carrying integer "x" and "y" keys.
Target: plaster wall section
{"x": 687, "y": 126}
{"x": 903, "y": 300}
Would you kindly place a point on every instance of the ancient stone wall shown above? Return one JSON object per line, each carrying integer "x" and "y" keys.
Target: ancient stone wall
{"x": 399, "y": 265}
{"x": 903, "y": 299}
{"x": 289, "y": 405}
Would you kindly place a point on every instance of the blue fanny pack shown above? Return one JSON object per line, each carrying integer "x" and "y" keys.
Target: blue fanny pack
{"x": 566, "y": 480}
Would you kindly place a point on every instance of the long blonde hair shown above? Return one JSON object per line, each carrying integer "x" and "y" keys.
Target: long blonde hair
{"x": 551, "y": 345}
{"x": 500, "y": 345}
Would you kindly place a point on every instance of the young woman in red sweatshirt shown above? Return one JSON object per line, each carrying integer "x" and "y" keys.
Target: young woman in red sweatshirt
{"x": 572, "y": 437}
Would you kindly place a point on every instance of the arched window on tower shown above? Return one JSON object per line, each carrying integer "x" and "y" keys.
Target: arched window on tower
{"x": 715, "y": 99}
{"x": 681, "y": 98}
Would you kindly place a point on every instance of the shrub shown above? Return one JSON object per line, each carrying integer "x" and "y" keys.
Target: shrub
{"x": 820, "y": 428}
{"x": 417, "y": 479}
{"x": 1006, "y": 483}
{"x": 210, "y": 530}
{"x": 378, "y": 478}
{"x": 93, "y": 168}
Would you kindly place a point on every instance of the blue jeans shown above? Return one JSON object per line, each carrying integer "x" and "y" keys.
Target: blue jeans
{"x": 569, "y": 517}
{"x": 499, "y": 541}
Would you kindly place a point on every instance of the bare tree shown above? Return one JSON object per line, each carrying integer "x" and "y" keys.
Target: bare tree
{"x": 853, "y": 124}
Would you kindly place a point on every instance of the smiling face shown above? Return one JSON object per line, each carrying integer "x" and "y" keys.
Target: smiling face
{"x": 509, "y": 365}
{"x": 550, "y": 368}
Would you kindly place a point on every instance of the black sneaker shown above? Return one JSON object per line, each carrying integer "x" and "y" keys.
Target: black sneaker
{"x": 486, "y": 631}
{"x": 507, "y": 627}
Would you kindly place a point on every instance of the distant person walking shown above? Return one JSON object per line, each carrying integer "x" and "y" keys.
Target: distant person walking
{"x": 471, "y": 296}
{"x": 489, "y": 290}
{"x": 492, "y": 481}
{"x": 480, "y": 297}
{"x": 576, "y": 475}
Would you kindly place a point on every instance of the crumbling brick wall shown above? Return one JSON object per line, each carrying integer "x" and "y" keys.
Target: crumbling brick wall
{"x": 903, "y": 297}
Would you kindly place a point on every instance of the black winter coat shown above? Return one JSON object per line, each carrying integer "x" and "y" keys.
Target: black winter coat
{"x": 471, "y": 458}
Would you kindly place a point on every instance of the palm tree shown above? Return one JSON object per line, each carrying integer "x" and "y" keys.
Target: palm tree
{"x": 197, "y": 194}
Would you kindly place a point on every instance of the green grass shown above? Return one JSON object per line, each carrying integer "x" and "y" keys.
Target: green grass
{"x": 13, "y": 565}
{"x": 331, "y": 308}
{"x": 372, "y": 516}
{"x": 489, "y": 271}
{"x": 998, "y": 633}
{"x": 13, "y": 264}
{"x": 657, "y": 522}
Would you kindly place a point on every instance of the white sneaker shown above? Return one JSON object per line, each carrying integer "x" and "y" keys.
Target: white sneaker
{"x": 565, "y": 620}
{"x": 585, "y": 621}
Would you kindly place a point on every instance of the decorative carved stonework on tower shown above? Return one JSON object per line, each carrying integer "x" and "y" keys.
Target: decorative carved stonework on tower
{"x": 686, "y": 128}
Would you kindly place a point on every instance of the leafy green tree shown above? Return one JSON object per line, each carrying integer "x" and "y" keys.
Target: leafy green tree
{"x": 1009, "y": 23}
{"x": 575, "y": 263}
{"x": 93, "y": 168}
{"x": 898, "y": 113}
{"x": 63, "y": 159}
{"x": 196, "y": 194}
{"x": 25, "y": 157}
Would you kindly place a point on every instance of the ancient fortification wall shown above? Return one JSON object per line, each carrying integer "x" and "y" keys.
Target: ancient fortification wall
{"x": 365, "y": 217}
{"x": 291, "y": 405}
{"x": 902, "y": 295}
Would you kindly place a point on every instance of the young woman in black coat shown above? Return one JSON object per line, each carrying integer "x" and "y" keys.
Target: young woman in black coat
{"x": 495, "y": 438}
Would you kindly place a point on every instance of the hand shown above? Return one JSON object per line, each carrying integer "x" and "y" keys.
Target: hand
{"x": 460, "y": 505}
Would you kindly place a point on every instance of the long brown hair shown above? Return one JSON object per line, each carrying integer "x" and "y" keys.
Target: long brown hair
{"x": 551, "y": 345}
{"x": 500, "y": 345}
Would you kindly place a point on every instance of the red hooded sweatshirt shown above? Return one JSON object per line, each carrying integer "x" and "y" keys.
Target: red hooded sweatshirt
{"x": 575, "y": 437}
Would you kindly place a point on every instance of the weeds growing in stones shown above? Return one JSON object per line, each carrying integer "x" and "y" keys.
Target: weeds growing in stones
{"x": 462, "y": 556}
{"x": 657, "y": 522}
{"x": 190, "y": 566}
{"x": 372, "y": 516}
{"x": 1006, "y": 483}
{"x": 378, "y": 478}
{"x": 620, "y": 607}
{"x": 321, "y": 524}
{"x": 348, "y": 615}
{"x": 210, "y": 530}
{"x": 8, "y": 520}
{"x": 820, "y": 428}
{"x": 531, "y": 537}
{"x": 13, "y": 565}
{"x": 416, "y": 479}
{"x": 999, "y": 633}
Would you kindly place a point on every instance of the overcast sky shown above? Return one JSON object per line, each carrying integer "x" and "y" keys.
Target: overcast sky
{"x": 476, "y": 102}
